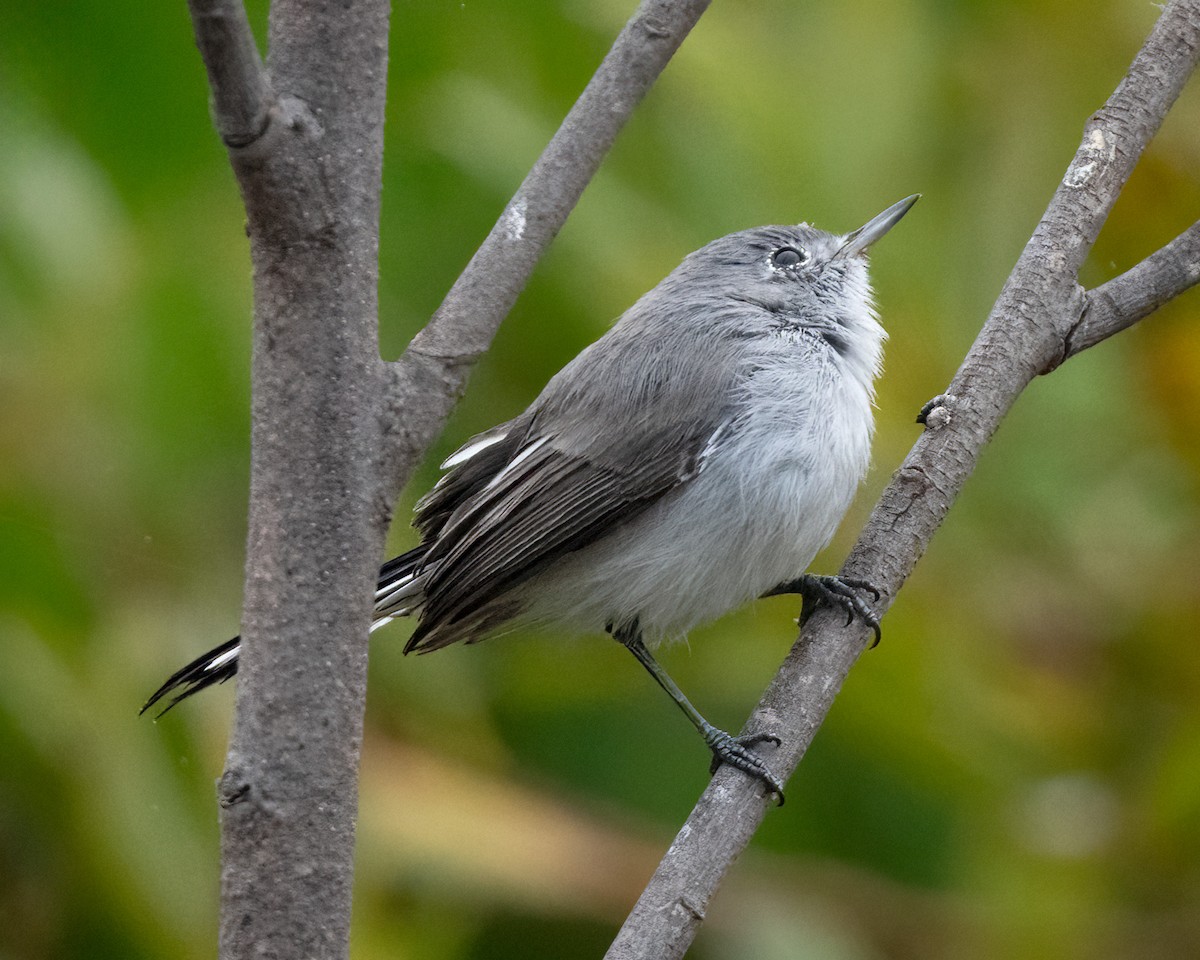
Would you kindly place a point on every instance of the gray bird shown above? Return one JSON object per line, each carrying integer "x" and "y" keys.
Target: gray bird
{"x": 695, "y": 457}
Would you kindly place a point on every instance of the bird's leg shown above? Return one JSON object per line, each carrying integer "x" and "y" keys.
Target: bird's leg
{"x": 835, "y": 591}
{"x": 725, "y": 747}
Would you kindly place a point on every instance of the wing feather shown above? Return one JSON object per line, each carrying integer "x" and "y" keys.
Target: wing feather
{"x": 552, "y": 504}
{"x": 567, "y": 471}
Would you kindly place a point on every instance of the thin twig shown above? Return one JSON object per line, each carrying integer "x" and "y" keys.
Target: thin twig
{"x": 430, "y": 376}
{"x": 1024, "y": 335}
{"x": 1139, "y": 291}
{"x": 241, "y": 92}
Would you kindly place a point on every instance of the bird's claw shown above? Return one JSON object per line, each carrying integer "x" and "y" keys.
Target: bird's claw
{"x": 736, "y": 752}
{"x": 841, "y": 592}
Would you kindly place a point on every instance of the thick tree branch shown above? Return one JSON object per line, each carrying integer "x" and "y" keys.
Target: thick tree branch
{"x": 311, "y": 188}
{"x": 1024, "y": 335}
{"x": 241, "y": 92}
{"x": 1135, "y": 294}
{"x": 429, "y": 378}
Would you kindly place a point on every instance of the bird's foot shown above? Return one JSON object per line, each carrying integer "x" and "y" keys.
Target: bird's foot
{"x": 841, "y": 592}
{"x": 736, "y": 752}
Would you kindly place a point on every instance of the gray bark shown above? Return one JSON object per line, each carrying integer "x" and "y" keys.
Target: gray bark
{"x": 1042, "y": 317}
{"x": 308, "y": 158}
{"x": 1138, "y": 292}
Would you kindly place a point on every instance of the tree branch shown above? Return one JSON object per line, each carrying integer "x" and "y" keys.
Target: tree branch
{"x": 311, "y": 188}
{"x": 241, "y": 93}
{"x": 1025, "y": 334}
{"x": 1135, "y": 294}
{"x": 430, "y": 376}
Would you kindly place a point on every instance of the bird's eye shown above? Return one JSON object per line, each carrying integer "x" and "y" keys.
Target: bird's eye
{"x": 786, "y": 257}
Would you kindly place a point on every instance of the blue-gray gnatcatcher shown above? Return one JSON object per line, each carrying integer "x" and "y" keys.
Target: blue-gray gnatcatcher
{"x": 696, "y": 456}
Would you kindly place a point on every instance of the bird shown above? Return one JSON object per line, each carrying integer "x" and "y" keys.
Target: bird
{"x": 695, "y": 457}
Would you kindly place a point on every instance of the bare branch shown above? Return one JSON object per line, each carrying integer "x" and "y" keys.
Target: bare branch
{"x": 241, "y": 92}
{"x": 430, "y": 376}
{"x": 311, "y": 190}
{"x": 1138, "y": 292}
{"x": 1024, "y": 335}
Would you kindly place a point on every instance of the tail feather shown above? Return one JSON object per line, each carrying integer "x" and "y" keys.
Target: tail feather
{"x": 216, "y": 666}
{"x": 221, "y": 663}
{"x": 399, "y": 569}
{"x": 399, "y": 581}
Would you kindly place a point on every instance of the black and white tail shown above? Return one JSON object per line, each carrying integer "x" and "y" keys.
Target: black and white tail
{"x": 400, "y": 589}
{"x": 216, "y": 666}
{"x": 397, "y": 594}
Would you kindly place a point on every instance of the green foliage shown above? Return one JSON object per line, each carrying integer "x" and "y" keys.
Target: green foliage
{"x": 1012, "y": 773}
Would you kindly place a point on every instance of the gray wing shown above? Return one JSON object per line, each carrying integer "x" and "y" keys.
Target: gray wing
{"x": 594, "y": 452}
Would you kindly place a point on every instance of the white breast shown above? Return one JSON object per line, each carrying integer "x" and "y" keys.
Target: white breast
{"x": 771, "y": 493}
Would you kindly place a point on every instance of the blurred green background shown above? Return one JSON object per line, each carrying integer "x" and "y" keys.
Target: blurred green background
{"x": 1014, "y": 772}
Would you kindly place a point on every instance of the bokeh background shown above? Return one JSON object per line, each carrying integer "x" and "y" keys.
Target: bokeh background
{"x": 1014, "y": 772}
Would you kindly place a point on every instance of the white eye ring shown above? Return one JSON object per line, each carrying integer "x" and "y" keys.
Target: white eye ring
{"x": 786, "y": 258}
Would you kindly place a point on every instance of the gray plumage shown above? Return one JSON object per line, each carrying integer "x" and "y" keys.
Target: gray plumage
{"x": 696, "y": 456}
